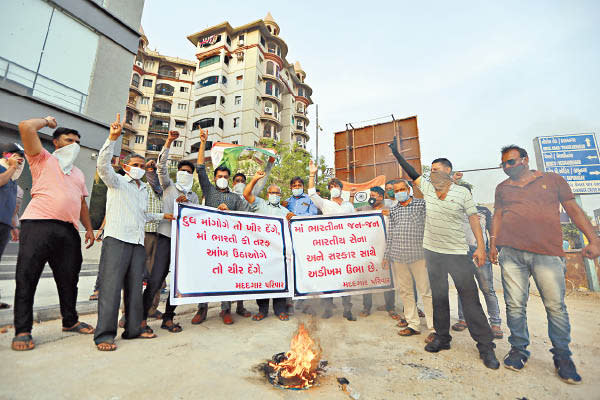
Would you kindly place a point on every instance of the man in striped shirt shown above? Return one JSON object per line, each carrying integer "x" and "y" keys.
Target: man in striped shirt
{"x": 123, "y": 251}
{"x": 446, "y": 250}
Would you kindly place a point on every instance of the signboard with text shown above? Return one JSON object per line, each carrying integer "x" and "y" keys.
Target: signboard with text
{"x": 574, "y": 157}
{"x": 339, "y": 255}
{"x": 225, "y": 256}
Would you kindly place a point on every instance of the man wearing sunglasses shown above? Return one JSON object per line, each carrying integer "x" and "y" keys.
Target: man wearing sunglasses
{"x": 526, "y": 228}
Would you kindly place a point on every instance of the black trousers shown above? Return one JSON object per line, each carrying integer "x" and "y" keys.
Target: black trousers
{"x": 122, "y": 267}
{"x": 57, "y": 243}
{"x": 460, "y": 268}
{"x": 160, "y": 269}
{"x": 279, "y": 305}
{"x": 4, "y": 237}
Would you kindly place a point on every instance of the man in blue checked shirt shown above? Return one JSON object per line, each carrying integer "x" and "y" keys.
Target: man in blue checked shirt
{"x": 299, "y": 203}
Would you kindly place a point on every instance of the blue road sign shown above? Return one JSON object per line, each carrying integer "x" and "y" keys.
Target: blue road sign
{"x": 575, "y": 158}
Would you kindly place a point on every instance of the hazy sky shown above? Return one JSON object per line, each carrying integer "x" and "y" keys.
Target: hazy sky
{"x": 478, "y": 75}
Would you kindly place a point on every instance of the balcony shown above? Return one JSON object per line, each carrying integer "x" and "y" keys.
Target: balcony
{"x": 128, "y": 125}
{"x": 168, "y": 74}
{"x": 154, "y": 147}
{"x": 300, "y": 114}
{"x": 301, "y": 132}
{"x": 270, "y": 118}
{"x": 133, "y": 106}
{"x": 164, "y": 92}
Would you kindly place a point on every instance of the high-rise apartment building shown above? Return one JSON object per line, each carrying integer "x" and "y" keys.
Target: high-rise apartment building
{"x": 159, "y": 101}
{"x": 244, "y": 87}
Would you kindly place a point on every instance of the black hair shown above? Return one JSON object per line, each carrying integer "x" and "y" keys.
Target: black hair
{"x": 296, "y": 179}
{"x": 378, "y": 190}
{"x": 222, "y": 168}
{"x": 183, "y": 163}
{"x": 64, "y": 131}
{"x": 336, "y": 181}
{"x": 239, "y": 174}
{"x": 443, "y": 161}
{"x": 392, "y": 182}
{"x": 506, "y": 149}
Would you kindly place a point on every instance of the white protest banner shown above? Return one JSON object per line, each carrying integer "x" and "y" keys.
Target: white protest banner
{"x": 339, "y": 255}
{"x": 224, "y": 255}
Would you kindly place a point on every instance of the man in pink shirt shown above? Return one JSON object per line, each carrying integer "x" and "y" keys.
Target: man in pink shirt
{"x": 49, "y": 228}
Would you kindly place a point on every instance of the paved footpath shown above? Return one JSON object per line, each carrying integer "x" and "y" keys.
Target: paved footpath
{"x": 214, "y": 361}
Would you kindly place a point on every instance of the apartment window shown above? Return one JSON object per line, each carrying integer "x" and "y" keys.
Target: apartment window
{"x": 211, "y": 80}
{"x": 222, "y": 100}
{"x": 135, "y": 80}
{"x": 221, "y": 123}
{"x": 269, "y": 88}
{"x": 47, "y": 30}
{"x": 236, "y": 122}
{"x": 145, "y": 100}
{"x": 224, "y": 80}
{"x": 256, "y": 123}
{"x": 240, "y": 38}
{"x": 226, "y": 60}
{"x": 182, "y": 106}
{"x": 270, "y": 67}
{"x": 142, "y": 119}
{"x": 262, "y": 41}
{"x": 179, "y": 124}
{"x": 203, "y": 123}
{"x": 184, "y": 71}
{"x": 149, "y": 65}
{"x": 268, "y": 107}
{"x": 177, "y": 143}
{"x": 147, "y": 83}
{"x": 234, "y": 142}
{"x": 239, "y": 79}
{"x": 257, "y": 101}
{"x": 228, "y": 40}
{"x": 301, "y": 91}
{"x": 210, "y": 60}
{"x": 238, "y": 100}
{"x": 271, "y": 48}
{"x": 173, "y": 163}
{"x": 184, "y": 89}
{"x": 139, "y": 139}
{"x": 260, "y": 59}
{"x": 161, "y": 107}
{"x": 276, "y": 91}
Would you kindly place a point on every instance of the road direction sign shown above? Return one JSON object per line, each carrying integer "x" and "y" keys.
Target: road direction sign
{"x": 574, "y": 157}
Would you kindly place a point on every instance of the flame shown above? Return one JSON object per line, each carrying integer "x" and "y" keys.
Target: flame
{"x": 302, "y": 360}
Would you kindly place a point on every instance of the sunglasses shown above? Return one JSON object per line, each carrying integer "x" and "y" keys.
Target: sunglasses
{"x": 510, "y": 162}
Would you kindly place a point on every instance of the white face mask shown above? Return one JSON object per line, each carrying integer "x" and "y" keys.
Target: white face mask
{"x": 297, "y": 192}
{"x": 135, "y": 173}
{"x": 238, "y": 188}
{"x": 274, "y": 199}
{"x": 222, "y": 183}
{"x": 335, "y": 192}
{"x": 185, "y": 180}
{"x": 66, "y": 157}
{"x": 18, "y": 171}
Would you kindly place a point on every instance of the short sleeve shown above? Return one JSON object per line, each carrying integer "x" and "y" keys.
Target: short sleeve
{"x": 563, "y": 189}
{"x": 37, "y": 162}
{"x": 469, "y": 204}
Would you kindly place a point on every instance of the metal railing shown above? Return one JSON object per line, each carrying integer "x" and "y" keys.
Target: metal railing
{"x": 41, "y": 86}
{"x": 168, "y": 74}
{"x": 164, "y": 92}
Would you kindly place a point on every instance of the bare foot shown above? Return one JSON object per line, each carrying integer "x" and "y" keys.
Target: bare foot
{"x": 105, "y": 346}
{"x": 24, "y": 342}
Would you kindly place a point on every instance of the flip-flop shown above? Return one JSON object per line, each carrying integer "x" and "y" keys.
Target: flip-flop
{"x": 79, "y": 327}
{"x": 283, "y": 316}
{"x": 173, "y": 328}
{"x": 258, "y": 316}
{"x": 23, "y": 339}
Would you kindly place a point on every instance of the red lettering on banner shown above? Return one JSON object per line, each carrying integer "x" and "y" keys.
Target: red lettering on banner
{"x": 298, "y": 228}
{"x": 315, "y": 257}
{"x": 372, "y": 224}
{"x": 342, "y": 255}
{"x": 218, "y": 269}
{"x": 188, "y": 220}
{"x": 371, "y": 267}
{"x": 254, "y": 269}
{"x": 215, "y": 222}
{"x": 324, "y": 272}
{"x": 245, "y": 240}
{"x": 237, "y": 226}
{"x": 358, "y": 239}
{"x": 248, "y": 285}
{"x": 367, "y": 253}
{"x": 270, "y": 228}
{"x": 381, "y": 281}
{"x": 253, "y": 227}
{"x": 334, "y": 241}
{"x": 262, "y": 242}
{"x": 224, "y": 238}
{"x": 355, "y": 269}
{"x": 355, "y": 284}
{"x": 217, "y": 252}
{"x": 249, "y": 254}
{"x": 201, "y": 236}
{"x": 235, "y": 269}
{"x": 323, "y": 228}
{"x": 272, "y": 284}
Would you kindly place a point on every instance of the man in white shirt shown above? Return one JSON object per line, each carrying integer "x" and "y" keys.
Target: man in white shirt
{"x": 336, "y": 205}
{"x": 123, "y": 250}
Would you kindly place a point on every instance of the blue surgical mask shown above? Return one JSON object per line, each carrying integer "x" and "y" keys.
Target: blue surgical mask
{"x": 297, "y": 192}
{"x": 401, "y": 196}
{"x": 274, "y": 199}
